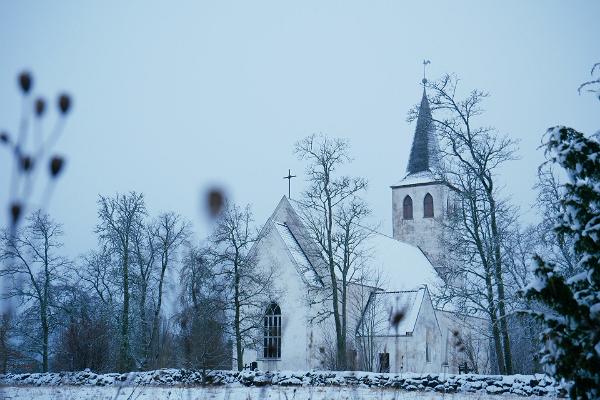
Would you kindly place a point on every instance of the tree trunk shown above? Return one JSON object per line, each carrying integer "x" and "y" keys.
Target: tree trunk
{"x": 237, "y": 321}
{"x": 155, "y": 331}
{"x": 123, "y": 363}
{"x": 488, "y": 283}
{"x": 500, "y": 287}
{"x": 340, "y": 339}
{"x": 45, "y": 334}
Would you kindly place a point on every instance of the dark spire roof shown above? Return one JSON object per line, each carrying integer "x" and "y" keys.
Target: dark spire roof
{"x": 424, "y": 147}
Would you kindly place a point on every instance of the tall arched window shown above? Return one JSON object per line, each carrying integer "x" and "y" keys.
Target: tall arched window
{"x": 428, "y": 206}
{"x": 407, "y": 211}
{"x": 272, "y": 333}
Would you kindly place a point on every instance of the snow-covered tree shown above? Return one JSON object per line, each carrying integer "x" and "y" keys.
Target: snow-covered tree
{"x": 572, "y": 336}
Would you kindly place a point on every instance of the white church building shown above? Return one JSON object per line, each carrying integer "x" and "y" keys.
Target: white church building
{"x": 423, "y": 339}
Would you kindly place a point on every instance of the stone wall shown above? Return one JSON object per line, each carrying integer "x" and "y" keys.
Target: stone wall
{"x": 524, "y": 385}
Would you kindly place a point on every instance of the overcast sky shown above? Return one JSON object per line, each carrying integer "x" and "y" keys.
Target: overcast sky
{"x": 173, "y": 97}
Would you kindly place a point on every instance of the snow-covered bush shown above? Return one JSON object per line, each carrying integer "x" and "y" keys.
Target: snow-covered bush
{"x": 572, "y": 326}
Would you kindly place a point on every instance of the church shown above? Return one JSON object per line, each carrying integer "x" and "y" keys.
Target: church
{"x": 425, "y": 339}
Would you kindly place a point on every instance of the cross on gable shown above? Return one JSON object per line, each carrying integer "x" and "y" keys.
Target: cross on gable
{"x": 289, "y": 178}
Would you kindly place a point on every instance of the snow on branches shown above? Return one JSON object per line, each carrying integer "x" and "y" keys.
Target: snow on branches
{"x": 572, "y": 327}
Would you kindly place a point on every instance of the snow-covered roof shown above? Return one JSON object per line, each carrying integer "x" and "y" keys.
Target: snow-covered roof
{"x": 302, "y": 262}
{"x": 402, "y": 265}
{"x": 402, "y": 309}
{"x": 405, "y": 304}
{"x": 419, "y": 178}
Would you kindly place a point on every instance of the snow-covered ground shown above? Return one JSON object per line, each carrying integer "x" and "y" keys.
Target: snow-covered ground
{"x": 235, "y": 392}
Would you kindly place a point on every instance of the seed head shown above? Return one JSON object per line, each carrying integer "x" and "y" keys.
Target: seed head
{"x": 15, "y": 212}
{"x": 215, "y": 199}
{"x": 4, "y": 138}
{"x": 40, "y": 106}
{"x": 56, "y": 166}
{"x": 26, "y": 163}
{"x": 64, "y": 103}
{"x": 25, "y": 81}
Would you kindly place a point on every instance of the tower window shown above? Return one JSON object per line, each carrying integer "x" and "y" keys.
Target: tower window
{"x": 407, "y": 208}
{"x": 272, "y": 332}
{"x": 428, "y": 206}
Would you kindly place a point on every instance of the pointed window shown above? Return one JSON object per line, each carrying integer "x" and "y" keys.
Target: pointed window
{"x": 272, "y": 332}
{"x": 407, "y": 209}
{"x": 428, "y": 206}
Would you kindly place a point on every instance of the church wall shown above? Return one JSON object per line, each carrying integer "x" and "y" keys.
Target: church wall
{"x": 292, "y": 292}
{"x": 420, "y": 231}
{"x": 474, "y": 333}
{"x": 408, "y": 353}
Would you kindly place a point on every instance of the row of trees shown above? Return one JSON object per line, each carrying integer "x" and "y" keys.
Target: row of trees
{"x": 106, "y": 310}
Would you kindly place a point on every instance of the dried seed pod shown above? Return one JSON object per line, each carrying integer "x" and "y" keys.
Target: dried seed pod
{"x": 4, "y": 138}
{"x": 64, "y": 103}
{"x": 26, "y": 163}
{"x": 40, "y": 106}
{"x": 396, "y": 318}
{"x": 15, "y": 212}
{"x": 216, "y": 200}
{"x": 25, "y": 81}
{"x": 56, "y": 166}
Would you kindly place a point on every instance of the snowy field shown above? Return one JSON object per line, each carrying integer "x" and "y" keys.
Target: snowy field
{"x": 234, "y": 393}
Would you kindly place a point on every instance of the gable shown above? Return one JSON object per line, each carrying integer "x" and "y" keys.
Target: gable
{"x": 408, "y": 304}
{"x": 302, "y": 251}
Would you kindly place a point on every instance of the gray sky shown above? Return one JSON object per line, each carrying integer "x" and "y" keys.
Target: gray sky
{"x": 172, "y": 97}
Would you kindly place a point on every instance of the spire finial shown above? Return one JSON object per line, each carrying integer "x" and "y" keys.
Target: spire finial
{"x": 425, "y": 62}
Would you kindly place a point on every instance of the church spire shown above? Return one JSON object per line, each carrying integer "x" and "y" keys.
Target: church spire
{"x": 423, "y": 153}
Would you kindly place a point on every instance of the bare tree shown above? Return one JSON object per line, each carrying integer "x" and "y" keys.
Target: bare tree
{"x": 471, "y": 156}
{"x": 120, "y": 217}
{"x": 145, "y": 251}
{"x": 169, "y": 233}
{"x": 247, "y": 286}
{"x": 331, "y": 210}
{"x": 366, "y": 308}
{"x": 36, "y": 272}
{"x": 558, "y": 247}
{"x": 202, "y": 318}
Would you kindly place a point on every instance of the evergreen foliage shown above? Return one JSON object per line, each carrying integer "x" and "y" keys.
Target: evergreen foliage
{"x": 572, "y": 326}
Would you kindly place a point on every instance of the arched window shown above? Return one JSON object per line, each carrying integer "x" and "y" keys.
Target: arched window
{"x": 428, "y": 206}
{"x": 272, "y": 333}
{"x": 407, "y": 208}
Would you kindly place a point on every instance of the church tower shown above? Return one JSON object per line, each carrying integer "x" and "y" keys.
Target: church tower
{"x": 419, "y": 200}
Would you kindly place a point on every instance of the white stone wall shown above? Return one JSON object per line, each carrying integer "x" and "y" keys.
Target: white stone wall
{"x": 419, "y": 231}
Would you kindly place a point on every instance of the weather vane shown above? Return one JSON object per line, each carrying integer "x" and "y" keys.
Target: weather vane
{"x": 289, "y": 178}
{"x": 425, "y": 62}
